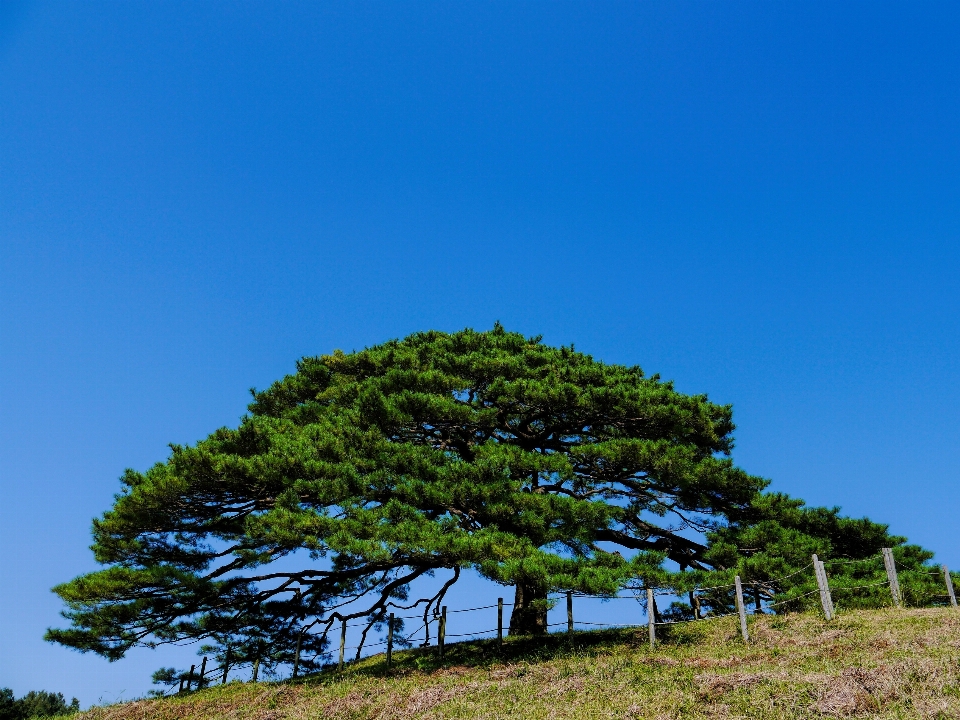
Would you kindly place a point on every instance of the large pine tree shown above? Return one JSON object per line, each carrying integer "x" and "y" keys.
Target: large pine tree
{"x": 537, "y": 466}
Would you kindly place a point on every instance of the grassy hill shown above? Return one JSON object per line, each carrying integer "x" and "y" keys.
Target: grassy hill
{"x": 879, "y": 663}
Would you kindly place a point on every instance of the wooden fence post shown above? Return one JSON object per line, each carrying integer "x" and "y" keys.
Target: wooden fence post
{"x": 226, "y": 666}
{"x": 816, "y": 574}
{"x": 261, "y": 651}
{"x": 948, "y": 579}
{"x": 826, "y": 590}
{"x": 824, "y": 587}
{"x": 741, "y": 610}
{"x": 343, "y": 643}
{"x": 651, "y": 618}
{"x": 181, "y": 685}
{"x": 442, "y": 630}
{"x": 570, "y": 615}
{"x": 891, "y": 567}
{"x": 203, "y": 674}
{"x": 296, "y": 655}
{"x": 190, "y": 677}
{"x": 499, "y": 622}
{"x": 390, "y": 640}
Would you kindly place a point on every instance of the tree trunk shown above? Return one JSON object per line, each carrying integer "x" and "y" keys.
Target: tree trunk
{"x": 529, "y": 616}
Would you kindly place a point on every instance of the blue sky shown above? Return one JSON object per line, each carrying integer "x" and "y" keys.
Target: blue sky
{"x": 757, "y": 200}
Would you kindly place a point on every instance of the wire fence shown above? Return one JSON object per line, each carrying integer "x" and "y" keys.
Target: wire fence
{"x": 765, "y": 594}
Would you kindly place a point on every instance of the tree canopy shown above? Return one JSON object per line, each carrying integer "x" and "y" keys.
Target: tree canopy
{"x": 351, "y": 479}
{"x": 770, "y": 548}
{"x": 488, "y": 450}
{"x": 35, "y": 704}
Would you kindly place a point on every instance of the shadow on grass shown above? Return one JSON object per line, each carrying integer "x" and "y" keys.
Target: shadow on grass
{"x": 529, "y": 649}
{"x": 482, "y": 653}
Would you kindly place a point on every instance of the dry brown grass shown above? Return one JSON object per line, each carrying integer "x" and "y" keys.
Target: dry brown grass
{"x": 865, "y": 664}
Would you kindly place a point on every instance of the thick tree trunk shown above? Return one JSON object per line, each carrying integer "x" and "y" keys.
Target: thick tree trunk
{"x": 529, "y": 616}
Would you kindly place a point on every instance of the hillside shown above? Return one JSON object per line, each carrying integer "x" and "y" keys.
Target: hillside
{"x": 879, "y": 663}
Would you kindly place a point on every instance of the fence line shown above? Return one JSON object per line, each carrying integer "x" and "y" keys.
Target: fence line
{"x": 839, "y": 561}
{"x": 889, "y": 569}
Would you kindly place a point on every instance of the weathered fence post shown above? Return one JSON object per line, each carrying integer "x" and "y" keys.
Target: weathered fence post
{"x": 343, "y": 642}
{"x": 181, "y": 685}
{"x": 190, "y": 677}
{"x": 570, "y": 615}
{"x": 826, "y": 601}
{"x": 741, "y": 610}
{"x": 296, "y": 655}
{"x": 390, "y": 640}
{"x": 651, "y": 618}
{"x": 226, "y": 666}
{"x": 442, "y": 630}
{"x": 499, "y": 622}
{"x": 695, "y": 604}
{"x": 948, "y": 579}
{"x": 203, "y": 674}
{"x": 256, "y": 668}
{"x": 826, "y": 590}
{"x": 891, "y": 566}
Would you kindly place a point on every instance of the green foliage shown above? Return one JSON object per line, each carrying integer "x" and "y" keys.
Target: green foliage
{"x": 169, "y": 677}
{"x": 771, "y": 546}
{"x": 35, "y": 704}
{"x": 8, "y": 705}
{"x": 364, "y": 472}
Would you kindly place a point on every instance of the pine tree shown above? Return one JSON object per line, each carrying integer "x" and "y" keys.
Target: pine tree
{"x": 35, "y": 704}
{"x": 537, "y": 466}
{"x": 771, "y": 546}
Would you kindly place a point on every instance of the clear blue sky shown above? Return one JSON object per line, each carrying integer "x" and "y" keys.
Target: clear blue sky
{"x": 757, "y": 200}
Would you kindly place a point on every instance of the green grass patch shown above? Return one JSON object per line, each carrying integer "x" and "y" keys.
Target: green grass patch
{"x": 877, "y": 663}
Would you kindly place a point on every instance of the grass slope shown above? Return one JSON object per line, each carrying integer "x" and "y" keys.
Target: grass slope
{"x": 878, "y": 663}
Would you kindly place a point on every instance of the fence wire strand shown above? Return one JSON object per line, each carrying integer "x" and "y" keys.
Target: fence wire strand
{"x": 635, "y": 595}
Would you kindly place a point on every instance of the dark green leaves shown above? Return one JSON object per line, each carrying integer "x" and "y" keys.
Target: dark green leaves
{"x": 365, "y": 471}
